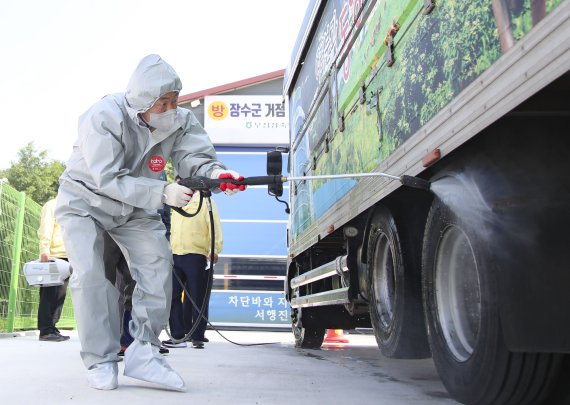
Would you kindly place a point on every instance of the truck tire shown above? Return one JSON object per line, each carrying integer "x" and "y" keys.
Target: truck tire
{"x": 394, "y": 284}
{"x": 306, "y": 335}
{"x": 462, "y": 314}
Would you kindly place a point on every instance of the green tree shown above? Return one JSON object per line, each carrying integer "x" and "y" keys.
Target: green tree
{"x": 169, "y": 170}
{"x": 34, "y": 173}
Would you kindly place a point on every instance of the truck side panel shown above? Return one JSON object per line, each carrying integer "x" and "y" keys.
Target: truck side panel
{"x": 435, "y": 57}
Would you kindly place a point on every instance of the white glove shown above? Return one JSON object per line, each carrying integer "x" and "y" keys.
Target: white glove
{"x": 176, "y": 195}
{"x": 228, "y": 188}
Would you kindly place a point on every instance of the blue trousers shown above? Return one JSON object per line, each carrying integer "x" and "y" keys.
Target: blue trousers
{"x": 191, "y": 269}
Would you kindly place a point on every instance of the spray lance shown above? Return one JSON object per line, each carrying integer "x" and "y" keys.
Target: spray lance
{"x": 205, "y": 184}
{"x": 274, "y": 182}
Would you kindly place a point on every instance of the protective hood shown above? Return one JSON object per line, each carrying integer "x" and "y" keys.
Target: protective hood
{"x": 152, "y": 78}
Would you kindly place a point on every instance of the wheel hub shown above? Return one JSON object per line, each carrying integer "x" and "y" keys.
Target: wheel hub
{"x": 384, "y": 286}
{"x": 458, "y": 292}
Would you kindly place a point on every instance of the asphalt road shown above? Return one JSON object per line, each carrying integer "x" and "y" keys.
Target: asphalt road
{"x": 223, "y": 373}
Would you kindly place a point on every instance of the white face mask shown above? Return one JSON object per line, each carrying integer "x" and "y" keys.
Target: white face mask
{"x": 164, "y": 121}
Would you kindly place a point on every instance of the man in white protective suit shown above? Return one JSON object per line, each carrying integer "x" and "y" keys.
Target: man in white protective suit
{"x": 111, "y": 184}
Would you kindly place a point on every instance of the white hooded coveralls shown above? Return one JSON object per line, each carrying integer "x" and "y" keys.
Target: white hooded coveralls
{"x": 111, "y": 183}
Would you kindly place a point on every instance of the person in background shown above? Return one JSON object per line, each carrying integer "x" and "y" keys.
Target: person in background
{"x": 111, "y": 184}
{"x": 190, "y": 239}
{"x": 51, "y": 298}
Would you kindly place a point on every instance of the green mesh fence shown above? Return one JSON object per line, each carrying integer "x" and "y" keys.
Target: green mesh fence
{"x": 19, "y": 222}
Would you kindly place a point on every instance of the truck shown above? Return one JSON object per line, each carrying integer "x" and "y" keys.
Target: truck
{"x": 474, "y": 98}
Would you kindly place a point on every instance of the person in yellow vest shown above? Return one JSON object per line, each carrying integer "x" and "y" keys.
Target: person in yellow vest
{"x": 190, "y": 238}
{"x": 51, "y": 298}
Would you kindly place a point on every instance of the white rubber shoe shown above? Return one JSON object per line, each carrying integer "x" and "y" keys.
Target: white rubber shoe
{"x": 103, "y": 376}
{"x": 144, "y": 362}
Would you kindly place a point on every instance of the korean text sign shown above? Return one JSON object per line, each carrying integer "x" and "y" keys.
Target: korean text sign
{"x": 249, "y": 308}
{"x": 246, "y": 119}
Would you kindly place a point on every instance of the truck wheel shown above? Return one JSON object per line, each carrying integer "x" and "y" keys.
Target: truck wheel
{"x": 462, "y": 314}
{"x": 306, "y": 336}
{"x": 394, "y": 292}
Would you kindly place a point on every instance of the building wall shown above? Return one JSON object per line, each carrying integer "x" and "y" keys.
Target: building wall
{"x": 254, "y": 229}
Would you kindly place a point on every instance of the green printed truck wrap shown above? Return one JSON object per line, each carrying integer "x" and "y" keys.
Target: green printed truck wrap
{"x": 375, "y": 72}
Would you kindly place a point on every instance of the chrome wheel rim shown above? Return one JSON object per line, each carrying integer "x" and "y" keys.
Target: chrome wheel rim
{"x": 384, "y": 281}
{"x": 458, "y": 292}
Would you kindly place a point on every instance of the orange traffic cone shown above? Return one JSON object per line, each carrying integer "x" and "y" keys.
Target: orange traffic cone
{"x": 335, "y": 336}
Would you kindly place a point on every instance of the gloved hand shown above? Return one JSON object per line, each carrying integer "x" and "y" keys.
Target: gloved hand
{"x": 176, "y": 195}
{"x": 228, "y": 188}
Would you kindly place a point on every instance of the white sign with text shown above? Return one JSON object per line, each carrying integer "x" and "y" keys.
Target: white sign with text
{"x": 246, "y": 120}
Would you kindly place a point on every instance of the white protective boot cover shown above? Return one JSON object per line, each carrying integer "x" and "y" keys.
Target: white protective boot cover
{"x": 144, "y": 362}
{"x": 103, "y": 376}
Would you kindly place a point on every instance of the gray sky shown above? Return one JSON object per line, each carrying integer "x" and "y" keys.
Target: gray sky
{"x": 60, "y": 56}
